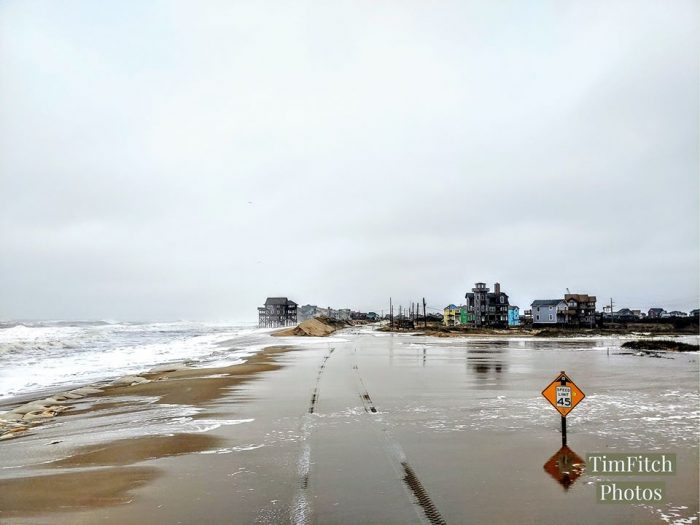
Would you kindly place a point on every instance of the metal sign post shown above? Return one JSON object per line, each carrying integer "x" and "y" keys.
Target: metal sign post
{"x": 564, "y": 395}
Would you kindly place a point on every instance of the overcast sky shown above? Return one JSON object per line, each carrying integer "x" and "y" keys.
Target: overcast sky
{"x": 184, "y": 160}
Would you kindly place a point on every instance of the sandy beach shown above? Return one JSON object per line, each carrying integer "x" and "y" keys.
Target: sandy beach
{"x": 369, "y": 427}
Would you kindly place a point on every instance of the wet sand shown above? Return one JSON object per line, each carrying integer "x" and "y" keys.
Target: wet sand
{"x": 38, "y": 495}
{"x": 195, "y": 386}
{"x": 380, "y": 428}
{"x": 134, "y": 450}
{"x": 78, "y": 488}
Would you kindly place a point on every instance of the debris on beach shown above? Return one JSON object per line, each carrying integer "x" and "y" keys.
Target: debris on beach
{"x": 172, "y": 367}
{"x": 19, "y": 420}
{"x": 130, "y": 381}
{"x": 86, "y": 390}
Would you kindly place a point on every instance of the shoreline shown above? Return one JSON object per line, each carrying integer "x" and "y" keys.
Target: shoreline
{"x": 103, "y": 474}
{"x": 20, "y": 415}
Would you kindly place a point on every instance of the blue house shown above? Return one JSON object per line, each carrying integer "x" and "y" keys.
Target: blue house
{"x": 513, "y": 316}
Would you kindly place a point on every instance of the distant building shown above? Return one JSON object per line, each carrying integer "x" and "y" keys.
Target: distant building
{"x": 573, "y": 310}
{"x": 548, "y": 311}
{"x": 308, "y": 311}
{"x": 695, "y": 313}
{"x": 405, "y": 324}
{"x": 513, "y": 316}
{"x": 676, "y": 313}
{"x": 455, "y": 315}
{"x": 451, "y": 315}
{"x": 327, "y": 312}
{"x": 278, "y": 311}
{"x": 487, "y": 309}
{"x": 625, "y": 314}
{"x": 580, "y": 309}
{"x": 655, "y": 313}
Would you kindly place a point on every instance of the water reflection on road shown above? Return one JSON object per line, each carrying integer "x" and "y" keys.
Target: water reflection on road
{"x": 481, "y": 398}
{"x": 565, "y": 466}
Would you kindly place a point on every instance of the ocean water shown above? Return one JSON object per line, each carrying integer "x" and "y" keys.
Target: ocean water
{"x": 36, "y": 356}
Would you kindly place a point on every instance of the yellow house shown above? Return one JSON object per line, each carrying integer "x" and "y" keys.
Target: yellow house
{"x": 451, "y": 315}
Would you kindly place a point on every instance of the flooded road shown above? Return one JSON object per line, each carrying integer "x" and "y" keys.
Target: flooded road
{"x": 396, "y": 428}
{"x": 468, "y": 416}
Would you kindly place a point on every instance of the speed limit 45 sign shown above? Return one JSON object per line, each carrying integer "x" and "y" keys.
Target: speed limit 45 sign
{"x": 563, "y": 394}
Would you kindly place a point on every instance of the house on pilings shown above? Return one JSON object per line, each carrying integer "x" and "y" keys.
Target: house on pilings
{"x": 278, "y": 311}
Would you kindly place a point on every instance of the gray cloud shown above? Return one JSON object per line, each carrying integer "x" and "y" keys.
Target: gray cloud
{"x": 162, "y": 161}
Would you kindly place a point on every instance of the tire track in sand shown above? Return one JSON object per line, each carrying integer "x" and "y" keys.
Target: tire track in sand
{"x": 431, "y": 511}
{"x": 410, "y": 478}
{"x": 300, "y": 511}
{"x": 367, "y": 402}
{"x": 315, "y": 393}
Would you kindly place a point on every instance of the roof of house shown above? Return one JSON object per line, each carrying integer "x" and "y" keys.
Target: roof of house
{"x": 546, "y": 302}
{"x": 279, "y": 300}
{"x": 490, "y": 295}
{"x": 656, "y": 310}
{"x": 579, "y": 297}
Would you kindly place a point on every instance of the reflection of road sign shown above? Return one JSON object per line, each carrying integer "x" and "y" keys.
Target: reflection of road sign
{"x": 565, "y": 466}
{"x": 563, "y": 394}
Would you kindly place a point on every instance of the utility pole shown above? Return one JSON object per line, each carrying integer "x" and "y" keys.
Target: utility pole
{"x": 391, "y": 314}
{"x": 612, "y": 313}
{"x": 425, "y": 318}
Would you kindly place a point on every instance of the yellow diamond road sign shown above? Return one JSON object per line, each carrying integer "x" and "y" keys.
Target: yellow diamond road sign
{"x": 563, "y": 394}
